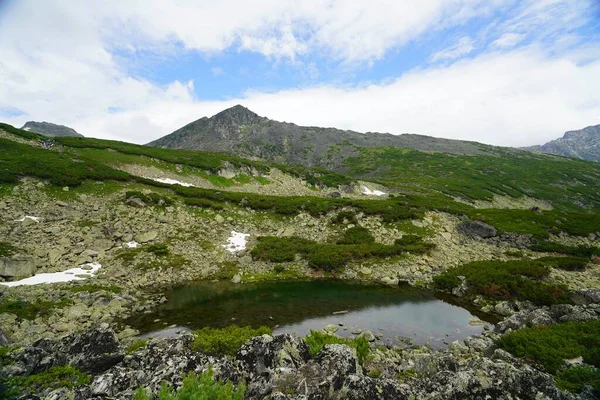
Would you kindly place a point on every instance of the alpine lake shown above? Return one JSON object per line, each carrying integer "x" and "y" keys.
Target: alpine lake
{"x": 401, "y": 315}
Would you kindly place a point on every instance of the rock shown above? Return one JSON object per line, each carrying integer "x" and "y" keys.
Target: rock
{"x": 4, "y": 340}
{"x": 357, "y": 331}
{"x": 17, "y": 267}
{"x": 146, "y": 237}
{"x": 64, "y": 242}
{"x": 236, "y": 278}
{"x": 54, "y": 256}
{"x": 477, "y": 229}
{"x": 61, "y": 204}
{"x": 369, "y": 336}
{"x": 335, "y": 195}
{"x": 360, "y": 387}
{"x": 93, "y": 351}
{"x": 219, "y": 219}
{"x": 503, "y": 308}
{"x": 331, "y": 328}
{"x": 366, "y": 271}
{"x": 288, "y": 232}
{"x": 135, "y": 202}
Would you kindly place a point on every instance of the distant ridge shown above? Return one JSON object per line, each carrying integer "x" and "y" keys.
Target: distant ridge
{"x": 241, "y": 132}
{"x": 50, "y": 129}
{"x": 583, "y": 144}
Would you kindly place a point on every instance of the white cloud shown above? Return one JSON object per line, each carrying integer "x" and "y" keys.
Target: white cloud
{"x": 464, "y": 46}
{"x": 217, "y": 71}
{"x": 58, "y": 65}
{"x": 508, "y": 40}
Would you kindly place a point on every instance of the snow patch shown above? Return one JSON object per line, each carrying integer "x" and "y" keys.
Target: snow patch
{"x": 236, "y": 242}
{"x": 73, "y": 274}
{"x": 36, "y": 219}
{"x": 369, "y": 192}
{"x": 170, "y": 181}
{"x": 132, "y": 245}
{"x": 26, "y": 128}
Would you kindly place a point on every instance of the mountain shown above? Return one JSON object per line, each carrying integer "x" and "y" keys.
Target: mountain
{"x": 583, "y": 144}
{"x": 241, "y": 132}
{"x": 50, "y": 129}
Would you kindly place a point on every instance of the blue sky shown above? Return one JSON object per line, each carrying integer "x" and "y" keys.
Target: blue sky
{"x": 504, "y": 72}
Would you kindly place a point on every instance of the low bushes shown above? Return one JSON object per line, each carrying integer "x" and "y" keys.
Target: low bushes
{"x": 573, "y": 379}
{"x": 550, "y": 345}
{"x": 356, "y": 244}
{"x": 225, "y": 341}
{"x": 576, "y": 251}
{"x": 520, "y": 279}
{"x": 317, "y": 339}
{"x": 53, "y": 378}
{"x": 31, "y": 310}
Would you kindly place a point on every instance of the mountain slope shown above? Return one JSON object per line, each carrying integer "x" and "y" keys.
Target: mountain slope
{"x": 583, "y": 144}
{"x": 241, "y": 132}
{"x": 50, "y": 129}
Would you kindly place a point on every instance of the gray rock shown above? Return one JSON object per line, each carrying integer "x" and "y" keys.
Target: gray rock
{"x": 219, "y": 219}
{"x": 146, "y": 237}
{"x": 135, "y": 202}
{"x": 236, "y": 278}
{"x": 18, "y": 267}
{"x": 4, "y": 340}
{"x": 477, "y": 229}
{"x": 331, "y": 328}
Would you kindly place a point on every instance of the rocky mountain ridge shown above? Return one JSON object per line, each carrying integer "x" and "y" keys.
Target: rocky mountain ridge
{"x": 50, "y": 129}
{"x": 241, "y": 132}
{"x": 583, "y": 144}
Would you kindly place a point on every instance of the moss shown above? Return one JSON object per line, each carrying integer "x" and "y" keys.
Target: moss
{"x": 226, "y": 271}
{"x": 158, "y": 249}
{"x": 262, "y": 180}
{"x": 225, "y": 341}
{"x": 549, "y": 346}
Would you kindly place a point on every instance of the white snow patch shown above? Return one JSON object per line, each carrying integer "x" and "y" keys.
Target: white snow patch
{"x": 73, "y": 274}
{"x": 26, "y": 128}
{"x": 132, "y": 245}
{"x": 369, "y": 192}
{"x": 170, "y": 181}
{"x": 36, "y": 219}
{"x": 236, "y": 242}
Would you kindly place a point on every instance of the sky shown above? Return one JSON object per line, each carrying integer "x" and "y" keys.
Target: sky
{"x": 503, "y": 72}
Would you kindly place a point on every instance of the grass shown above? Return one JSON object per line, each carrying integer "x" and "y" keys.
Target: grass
{"x": 225, "y": 341}
{"x": 31, "y": 310}
{"x": 138, "y": 344}
{"x": 327, "y": 256}
{"x": 316, "y": 340}
{"x": 550, "y": 346}
{"x": 503, "y": 280}
{"x": 197, "y": 387}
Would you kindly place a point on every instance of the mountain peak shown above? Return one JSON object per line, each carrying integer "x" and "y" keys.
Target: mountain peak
{"x": 50, "y": 129}
{"x": 237, "y": 114}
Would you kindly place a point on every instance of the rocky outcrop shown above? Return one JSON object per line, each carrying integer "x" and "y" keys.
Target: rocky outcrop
{"x": 18, "y": 267}
{"x": 477, "y": 229}
{"x": 548, "y": 315}
{"x": 280, "y": 368}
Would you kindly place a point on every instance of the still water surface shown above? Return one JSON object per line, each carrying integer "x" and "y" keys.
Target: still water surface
{"x": 298, "y": 307}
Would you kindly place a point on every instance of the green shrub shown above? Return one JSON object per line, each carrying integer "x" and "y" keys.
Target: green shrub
{"x": 357, "y": 235}
{"x": 344, "y": 216}
{"x": 519, "y": 279}
{"x": 7, "y": 249}
{"x": 578, "y": 251}
{"x": 158, "y": 249}
{"x": 328, "y": 257}
{"x": 197, "y": 387}
{"x": 574, "y": 378}
{"x": 203, "y": 203}
{"x": 550, "y": 345}
{"x": 30, "y": 311}
{"x": 53, "y": 378}
{"x": 565, "y": 263}
{"x": 225, "y": 341}
{"x": 408, "y": 239}
{"x": 92, "y": 288}
{"x": 316, "y": 340}
{"x": 138, "y": 344}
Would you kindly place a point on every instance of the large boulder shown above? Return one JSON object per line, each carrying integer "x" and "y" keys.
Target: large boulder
{"x": 93, "y": 351}
{"x": 477, "y": 229}
{"x": 17, "y": 267}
